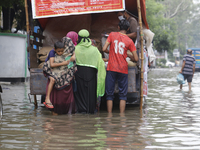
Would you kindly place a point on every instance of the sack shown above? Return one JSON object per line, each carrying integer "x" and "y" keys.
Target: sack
{"x": 180, "y": 79}
{"x": 44, "y": 51}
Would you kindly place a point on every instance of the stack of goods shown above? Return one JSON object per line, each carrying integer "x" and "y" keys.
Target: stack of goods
{"x": 42, "y": 55}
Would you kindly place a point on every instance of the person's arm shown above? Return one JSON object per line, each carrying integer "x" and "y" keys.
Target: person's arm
{"x": 183, "y": 65}
{"x": 134, "y": 56}
{"x": 53, "y": 64}
{"x": 132, "y": 35}
{"x": 105, "y": 47}
{"x": 105, "y": 59}
{"x": 131, "y": 56}
{"x": 193, "y": 68}
{"x": 72, "y": 58}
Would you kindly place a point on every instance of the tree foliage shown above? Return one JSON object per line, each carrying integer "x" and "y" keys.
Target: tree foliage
{"x": 13, "y": 13}
{"x": 175, "y": 23}
{"x": 160, "y": 25}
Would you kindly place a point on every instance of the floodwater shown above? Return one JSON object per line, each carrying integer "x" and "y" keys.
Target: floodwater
{"x": 170, "y": 119}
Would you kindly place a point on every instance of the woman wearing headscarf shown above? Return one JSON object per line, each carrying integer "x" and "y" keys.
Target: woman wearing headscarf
{"x": 73, "y": 36}
{"x": 62, "y": 97}
{"x": 90, "y": 75}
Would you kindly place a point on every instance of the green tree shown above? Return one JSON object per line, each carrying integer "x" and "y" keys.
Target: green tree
{"x": 178, "y": 12}
{"x": 13, "y": 10}
{"x": 185, "y": 15}
{"x": 160, "y": 25}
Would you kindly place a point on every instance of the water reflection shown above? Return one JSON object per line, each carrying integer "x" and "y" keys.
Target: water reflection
{"x": 175, "y": 124}
{"x": 170, "y": 120}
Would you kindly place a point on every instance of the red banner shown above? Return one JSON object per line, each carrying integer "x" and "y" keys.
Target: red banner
{"x": 54, "y": 8}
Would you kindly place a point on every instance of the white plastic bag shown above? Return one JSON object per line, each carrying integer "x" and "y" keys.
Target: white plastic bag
{"x": 180, "y": 79}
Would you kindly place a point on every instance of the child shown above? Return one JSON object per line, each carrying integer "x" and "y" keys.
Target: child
{"x": 58, "y": 49}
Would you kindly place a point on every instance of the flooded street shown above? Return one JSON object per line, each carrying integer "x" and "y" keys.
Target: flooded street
{"x": 170, "y": 120}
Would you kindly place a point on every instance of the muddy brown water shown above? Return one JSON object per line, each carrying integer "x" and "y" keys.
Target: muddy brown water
{"x": 170, "y": 119}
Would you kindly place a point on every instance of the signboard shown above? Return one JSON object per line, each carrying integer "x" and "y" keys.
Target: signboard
{"x": 176, "y": 54}
{"x": 55, "y": 8}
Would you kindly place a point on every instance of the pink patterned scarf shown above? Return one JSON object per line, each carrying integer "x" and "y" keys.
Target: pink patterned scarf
{"x": 73, "y": 36}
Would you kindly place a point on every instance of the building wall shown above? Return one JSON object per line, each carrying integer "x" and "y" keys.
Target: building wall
{"x": 13, "y": 56}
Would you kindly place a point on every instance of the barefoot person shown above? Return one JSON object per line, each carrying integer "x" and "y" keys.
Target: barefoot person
{"x": 90, "y": 75}
{"x": 188, "y": 68}
{"x": 117, "y": 69}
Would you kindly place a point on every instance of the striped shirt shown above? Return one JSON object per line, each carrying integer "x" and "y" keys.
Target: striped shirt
{"x": 189, "y": 61}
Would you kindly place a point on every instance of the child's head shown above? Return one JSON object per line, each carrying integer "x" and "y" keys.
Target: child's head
{"x": 124, "y": 25}
{"x": 59, "y": 47}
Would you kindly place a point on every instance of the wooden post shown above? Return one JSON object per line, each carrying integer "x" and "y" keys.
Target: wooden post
{"x": 35, "y": 102}
{"x": 27, "y": 25}
{"x": 27, "y": 19}
{"x": 142, "y": 53}
{"x": 28, "y": 40}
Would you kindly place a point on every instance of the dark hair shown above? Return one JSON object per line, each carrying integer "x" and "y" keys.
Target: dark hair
{"x": 59, "y": 44}
{"x": 124, "y": 24}
{"x": 120, "y": 11}
{"x": 80, "y": 38}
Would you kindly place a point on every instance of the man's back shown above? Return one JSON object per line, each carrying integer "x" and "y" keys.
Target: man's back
{"x": 119, "y": 44}
{"x": 189, "y": 61}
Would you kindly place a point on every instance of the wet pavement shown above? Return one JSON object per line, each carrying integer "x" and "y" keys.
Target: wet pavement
{"x": 170, "y": 119}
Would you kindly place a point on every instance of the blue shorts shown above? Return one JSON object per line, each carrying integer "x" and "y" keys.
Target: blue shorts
{"x": 122, "y": 79}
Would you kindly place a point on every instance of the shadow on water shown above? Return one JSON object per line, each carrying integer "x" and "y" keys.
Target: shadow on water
{"x": 170, "y": 120}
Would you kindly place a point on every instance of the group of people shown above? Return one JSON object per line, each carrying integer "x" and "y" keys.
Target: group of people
{"x": 76, "y": 71}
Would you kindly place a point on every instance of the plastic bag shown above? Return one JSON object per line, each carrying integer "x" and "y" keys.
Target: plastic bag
{"x": 71, "y": 64}
{"x": 180, "y": 79}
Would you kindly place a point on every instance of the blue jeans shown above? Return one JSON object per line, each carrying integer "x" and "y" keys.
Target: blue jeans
{"x": 122, "y": 79}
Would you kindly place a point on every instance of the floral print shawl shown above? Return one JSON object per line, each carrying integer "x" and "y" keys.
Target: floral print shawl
{"x": 63, "y": 75}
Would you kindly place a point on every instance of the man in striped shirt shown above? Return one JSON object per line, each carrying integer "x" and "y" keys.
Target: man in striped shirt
{"x": 188, "y": 68}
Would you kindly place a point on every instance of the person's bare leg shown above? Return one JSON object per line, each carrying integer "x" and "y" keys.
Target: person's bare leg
{"x": 109, "y": 106}
{"x": 181, "y": 85}
{"x": 55, "y": 114}
{"x": 122, "y": 106}
{"x": 189, "y": 84}
{"x": 50, "y": 87}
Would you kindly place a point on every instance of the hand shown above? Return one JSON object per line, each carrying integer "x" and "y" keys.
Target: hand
{"x": 180, "y": 71}
{"x": 65, "y": 62}
{"x": 128, "y": 55}
{"x": 105, "y": 60}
